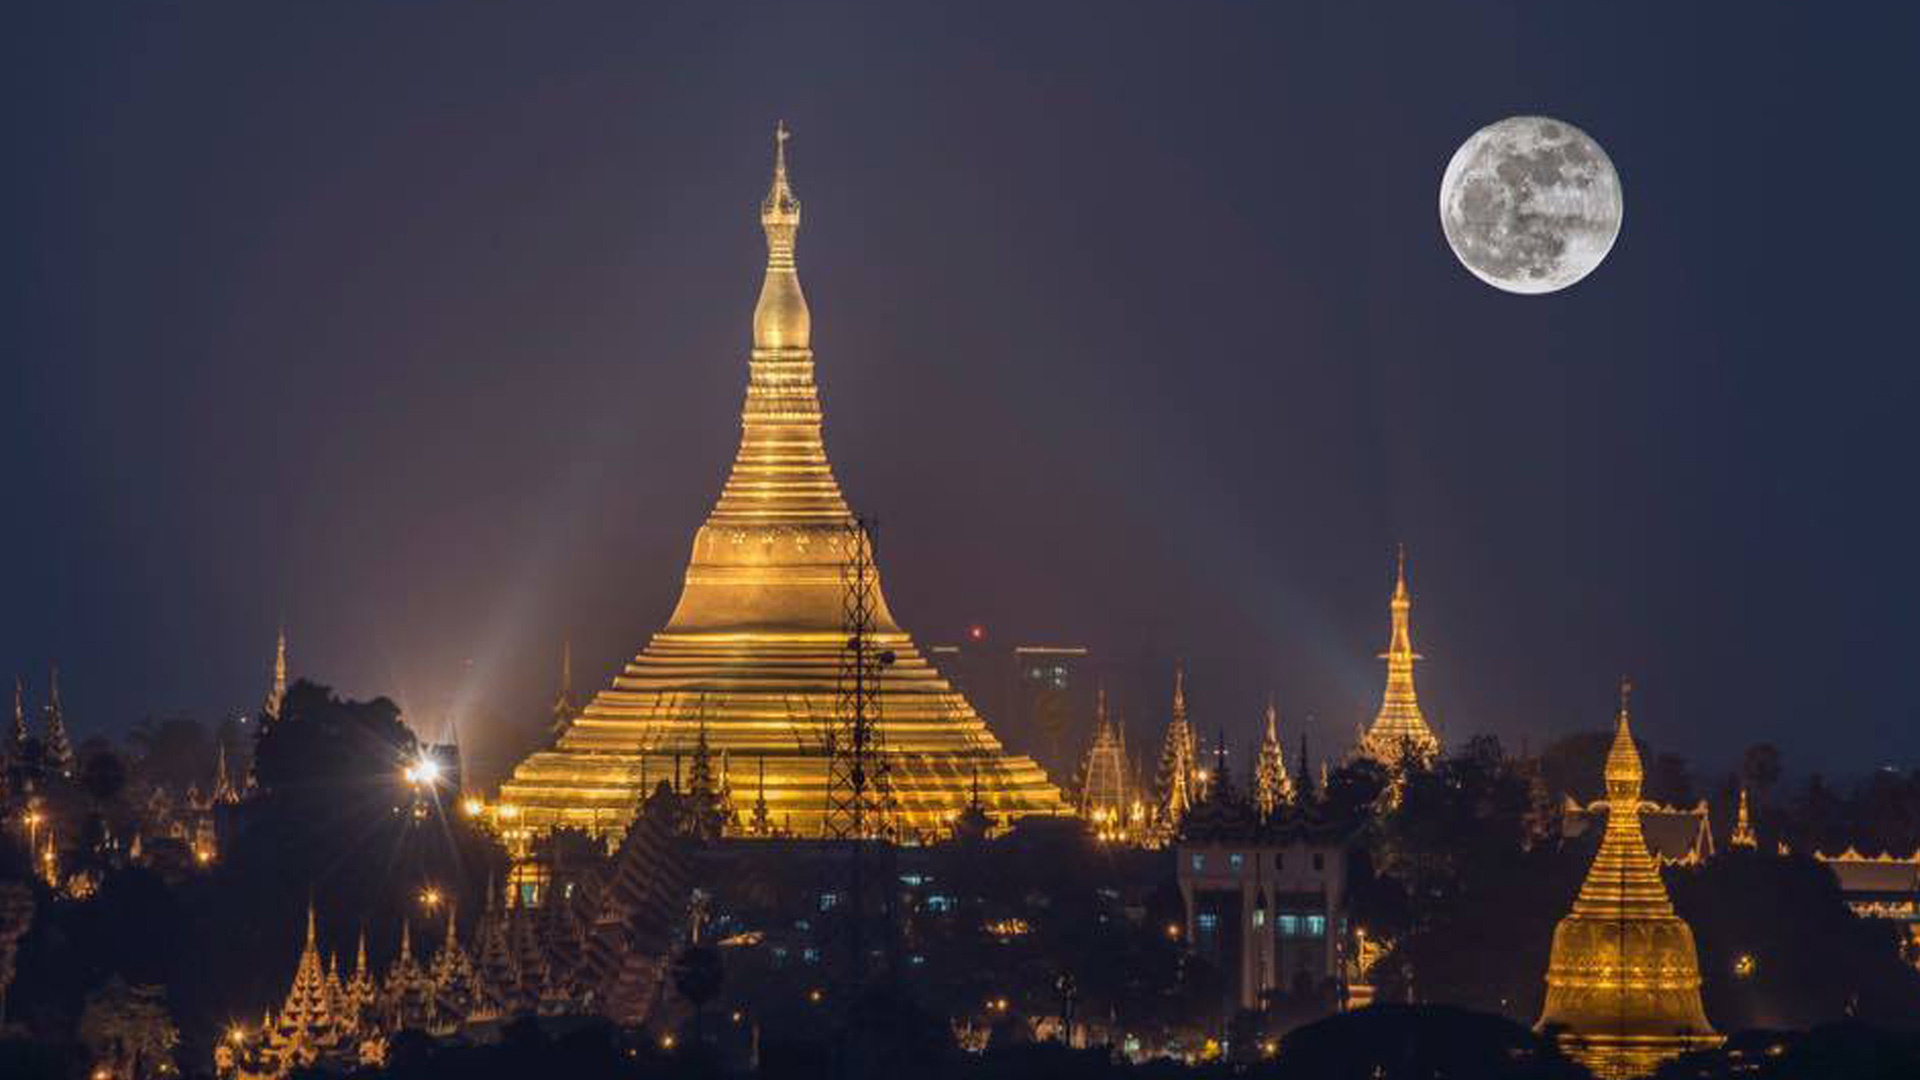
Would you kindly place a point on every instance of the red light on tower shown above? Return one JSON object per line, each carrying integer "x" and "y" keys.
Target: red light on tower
{"x": 976, "y": 632}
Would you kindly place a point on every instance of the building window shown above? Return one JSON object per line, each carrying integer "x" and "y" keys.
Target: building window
{"x": 1289, "y": 925}
{"x": 1207, "y": 921}
{"x": 810, "y": 955}
{"x": 1319, "y": 861}
{"x": 1199, "y": 862}
{"x": 1316, "y": 926}
{"x": 937, "y": 902}
{"x": 827, "y": 900}
{"x": 1259, "y": 917}
{"x": 1234, "y": 860}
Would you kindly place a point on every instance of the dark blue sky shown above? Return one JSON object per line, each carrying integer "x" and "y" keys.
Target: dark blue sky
{"x": 425, "y": 327}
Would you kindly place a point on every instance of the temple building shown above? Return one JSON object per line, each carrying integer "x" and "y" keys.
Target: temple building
{"x": 1399, "y": 728}
{"x": 1265, "y": 897}
{"x": 756, "y": 647}
{"x": 1623, "y": 984}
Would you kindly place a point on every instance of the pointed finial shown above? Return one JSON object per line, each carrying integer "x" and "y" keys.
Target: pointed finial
{"x": 1179, "y": 690}
{"x": 566, "y": 666}
{"x": 310, "y": 921}
{"x": 1273, "y": 721}
{"x": 781, "y": 320}
{"x": 1623, "y": 772}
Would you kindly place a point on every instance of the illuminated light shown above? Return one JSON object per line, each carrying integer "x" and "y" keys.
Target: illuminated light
{"x": 430, "y": 897}
{"x": 1173, "y": 931}
{"x": 667, "y": 1041}
{"x": 422, "y": 772}
{"x": 977, "y": 632}
{"x": 509, "y": 811}
{"x": 236, "y": 1034}
{"x": 33, "y": 818}
{"x": 738, "y": 1016}
{"x": 1269, "y": 1048}
{"x": 473, "y": 807}
{"x": 1744, "y": 966}
{"x": 815, "y": 995}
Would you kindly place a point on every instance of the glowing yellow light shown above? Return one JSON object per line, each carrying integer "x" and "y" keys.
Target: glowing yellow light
{"x": 1744, "y": 966}
{"x": 422, "y": 772}
{"x": 236, "y": 1034}
{"x": 473, "y": 807}
{"x": 815, "y": 995}
{"x": 666, "y": 1041}
{"x": 33, "y": 818}
{"x": 509, "y": 811}
{"x": 1173, "y": 931}
{"x": 430, "y": 897}
{"x": 738, "y": 1016}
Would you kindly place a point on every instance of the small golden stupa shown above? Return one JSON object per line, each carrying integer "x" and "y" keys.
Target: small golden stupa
{"x": 753, "y": 654}
{"x": 1623, "y": 986}
{"x": 1400, "y": 726}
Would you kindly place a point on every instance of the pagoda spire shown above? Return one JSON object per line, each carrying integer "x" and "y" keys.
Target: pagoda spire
{"x": 1177, "y": 782}
{"x": 1103, "y": 778}
{"x": 565, "y": 709}
{"x": 1399, "y": 727}
{"x": 1271, "y": 784}
{"x": 277, "y": 695}
{"x": 20, "y": 733}
{"x": 58, "y": 749}
{"x": 1743, "y": 836}
{"x": 1623, "y": 984}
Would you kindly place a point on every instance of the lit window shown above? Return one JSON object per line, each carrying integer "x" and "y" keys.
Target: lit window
{"x": 939, "y": 903}
{"x": 1289, "y": 925}
{"x": 1199, "y": 863}
{"x": 1234, "y": 860}
{"x": 1259, "y": 917}
{"x": 1316, "y": 926}
{"x": 827, "y": 900}
{"x": 810, "y": 955}
{"x": 1207, "y": 920}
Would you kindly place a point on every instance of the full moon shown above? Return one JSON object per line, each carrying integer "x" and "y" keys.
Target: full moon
{"x": 1530, "y": 204}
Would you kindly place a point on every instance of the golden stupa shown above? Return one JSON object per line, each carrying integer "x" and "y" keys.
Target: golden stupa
{"x": 754, "y": 652}
{"x": 1623, "y": 986}
{"x": 1400, "y": 727}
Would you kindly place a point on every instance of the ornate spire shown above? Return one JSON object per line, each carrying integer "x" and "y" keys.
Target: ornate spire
{"x": 223, "y": 789}
{"x": 1623, "y": 985}
{"x": 277, "y": 695}
{"x": 781, "y": 319}
{"x": 1271, "y": 784}
{"x": 1742, "y": 827}
{"x": 20, "y": 733}
{"x": 564, "y": 706}
{"x": 58, "y": 749}
{"x": 1103, "y": 778}
{"x": 1399, "y": 727}
{"x": 1176, "y": 784}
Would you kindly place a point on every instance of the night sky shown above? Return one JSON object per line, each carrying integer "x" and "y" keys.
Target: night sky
{"x": 424, "y": 327}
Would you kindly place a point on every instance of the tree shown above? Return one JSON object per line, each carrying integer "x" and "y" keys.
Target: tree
{"x": 128, "y": 1030}
{"x": 173, "y": 753}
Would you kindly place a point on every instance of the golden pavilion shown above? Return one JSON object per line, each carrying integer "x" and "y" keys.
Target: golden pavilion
{"x": 1623, "y": 986}
{"x": 754, "y": 651}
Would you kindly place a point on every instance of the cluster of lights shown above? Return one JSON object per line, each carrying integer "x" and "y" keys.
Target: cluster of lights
{"x": 422, "y": 772}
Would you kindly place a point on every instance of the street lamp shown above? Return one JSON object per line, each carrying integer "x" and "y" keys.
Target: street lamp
{"x": 430, "y": 898}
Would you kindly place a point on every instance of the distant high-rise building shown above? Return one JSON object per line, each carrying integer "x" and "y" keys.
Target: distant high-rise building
{"x": 1399, "y": 728}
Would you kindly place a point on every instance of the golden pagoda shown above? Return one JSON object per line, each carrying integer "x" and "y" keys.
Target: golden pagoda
{"x": 1399, "y": 727}
{"x": 1271, "y": 784}
{"x": 756, "y": 647}
{"x": 1623, "y": 986}
{"x": 1743, "y": 827}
